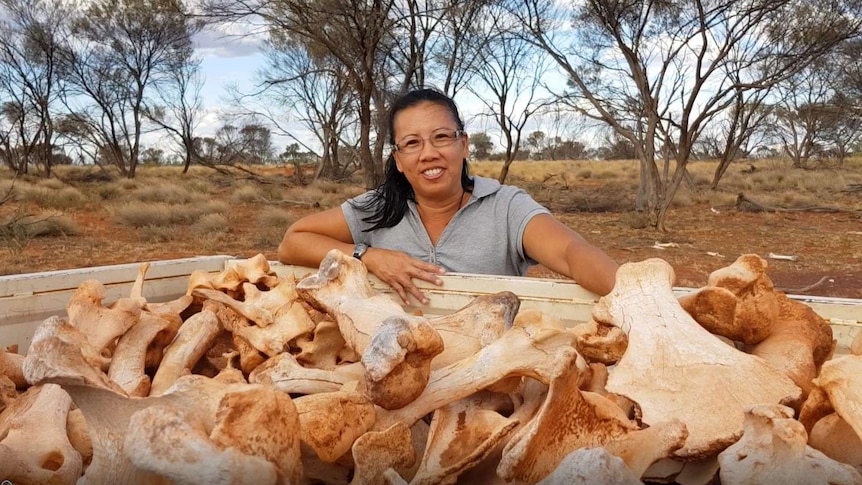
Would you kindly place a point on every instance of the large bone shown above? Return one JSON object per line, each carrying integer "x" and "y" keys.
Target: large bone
{"x": 57, "y": 356}
{"x": 377, "y": 451}
{"x": 321, "y": 350}
{"x": 741, "y": 304}
{"x": 284, "y": 373}
{"x": 837, "y": 440}
{"x": 841, "y": 379}
{"x": 289, "y": 322}
{"x": 341, "y": 289}
{"x": 256, "y": 270}
{"x": 262, "y": 422}
{"x": 233, "y": 322}
{"x": 261, "y": 316}
{"x": 34, "y": 447}
{"x": 331, "y": 421}
{"x": 524, "y": 350}
{"x": 191, "y": 343}
{"x": 162, "y": 442}
{"x": 773, "y": 450}
{"x": 674, "y": 368}
{"x": 462, "y": 435}
{"x": 10, "y": 366}
{"x": 128, "y": 365}
{"x": 398, "y": 360}
{"x": 570, "y": 419}
{"x": 101, "y": 325}
{"x": 588, "y": 466}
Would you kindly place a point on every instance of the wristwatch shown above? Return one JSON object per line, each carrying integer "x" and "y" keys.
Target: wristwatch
{"x": 359, "y": 250}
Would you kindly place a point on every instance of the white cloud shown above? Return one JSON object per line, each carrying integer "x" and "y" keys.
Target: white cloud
{"x": 228, "y": 41}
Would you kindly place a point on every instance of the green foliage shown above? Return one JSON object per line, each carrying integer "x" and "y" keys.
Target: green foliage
{"x": 482, "y": 145}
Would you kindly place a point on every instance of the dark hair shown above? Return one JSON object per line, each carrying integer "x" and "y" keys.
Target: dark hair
{"x": 388, "y": 203}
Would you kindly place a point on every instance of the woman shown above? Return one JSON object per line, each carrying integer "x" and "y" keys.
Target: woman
{"x": 429, "y": 216}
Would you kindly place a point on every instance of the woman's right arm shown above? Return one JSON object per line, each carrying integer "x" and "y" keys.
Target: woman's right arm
{"x": 308, "y": 240}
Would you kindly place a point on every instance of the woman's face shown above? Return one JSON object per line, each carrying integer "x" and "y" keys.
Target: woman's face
{"x": 433, "y": 171}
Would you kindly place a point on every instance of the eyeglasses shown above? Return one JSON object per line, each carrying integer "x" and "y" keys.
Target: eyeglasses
{"x": 438, "y": 139}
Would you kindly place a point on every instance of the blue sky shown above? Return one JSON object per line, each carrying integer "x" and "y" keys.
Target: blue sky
{"x": 232, "y": 58}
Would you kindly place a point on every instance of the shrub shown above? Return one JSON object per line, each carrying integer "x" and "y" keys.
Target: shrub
{"x": 17, "y": 230}
{"x": 54, "y": 184}
{"x": 46, "y": 198}
{"x": 159, "y": 234}
{"x": 210, "y": 224}
{"x": 246, "y": 194}
{"x": 167, "y": 193}
{"x": 140, "y": 214}
{"x": 271, "y": 223}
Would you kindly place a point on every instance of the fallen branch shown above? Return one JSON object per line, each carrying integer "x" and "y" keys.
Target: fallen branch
{"x": 805, "y": 289}
{"x": 747, "y": 204}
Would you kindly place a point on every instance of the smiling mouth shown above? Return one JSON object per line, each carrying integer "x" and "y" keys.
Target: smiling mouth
{"x": 432, "y": 172}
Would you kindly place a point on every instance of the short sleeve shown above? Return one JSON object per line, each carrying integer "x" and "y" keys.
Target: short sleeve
{"x": 354, "y": 215}
{"x": 522, "y": 209}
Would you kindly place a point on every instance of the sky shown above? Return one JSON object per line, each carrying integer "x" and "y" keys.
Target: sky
{"x": 228, "y": 59}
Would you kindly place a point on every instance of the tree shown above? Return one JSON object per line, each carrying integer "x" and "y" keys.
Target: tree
{"x": 256, "y": 142}
{"x": 30, "y": 85}
{"x": 802, "y": 111}
{"x": 746, "y": 115}
{"x": 536, "y": 142}
{"x": 177, "y": 109}
{"x": 511, "y": 70}
{"x": 123, "y": 50}
{"x": 312, "y": 88}
{"x": 482, "y": 145}
{"x": 352, "y": 32}
{"x": 656, "y": 71}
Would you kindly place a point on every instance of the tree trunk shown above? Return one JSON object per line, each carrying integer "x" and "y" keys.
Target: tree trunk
{"x": 504, "y": 171}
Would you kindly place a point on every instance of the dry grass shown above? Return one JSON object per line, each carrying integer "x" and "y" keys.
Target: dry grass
{"x": 246, "y": 194}
{"x": 143, "y": 214}
{"x": 272, "y": 222}
{"x": 18, "y": 229}
{"x": 165, "y": 193}
{"x": 44, "y": 196}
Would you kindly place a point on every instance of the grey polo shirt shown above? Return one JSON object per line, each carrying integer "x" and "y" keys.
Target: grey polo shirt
{"x": 486, "y": 236}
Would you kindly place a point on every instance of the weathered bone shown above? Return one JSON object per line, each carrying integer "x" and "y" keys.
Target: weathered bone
{"x": 261, "y": 316}
{"x": 740, "y": 303}
{"x": 773, "y": 450}
{"x": 462, "y": 435}
{"x": 587, "y": 466}
{"x": 674, "y": 368}
{"x": 233, "y": 322}
{"x": 569, "y": 420}
{"x": 164, "y": 443}
{"x": 330, "y": 422}
{"x": 284, "y": 373}
{"x": 191, "y": 343}
{"x": 397, "y": 361}
{"x": 524, "y": 350}
{"x": 377, "y": 451}
{"x": 341, "y": 289}
{"x": 10, "y": 366}
{"x": 101, "y": 325}
{"x": 34, "y": 447}
{"x": 128, "y": 365}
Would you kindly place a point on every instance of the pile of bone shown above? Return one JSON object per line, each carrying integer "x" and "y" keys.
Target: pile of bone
{"x": 258, "y": 379}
